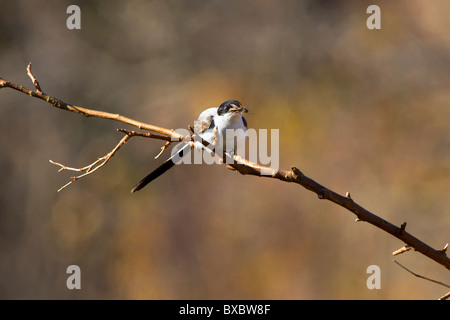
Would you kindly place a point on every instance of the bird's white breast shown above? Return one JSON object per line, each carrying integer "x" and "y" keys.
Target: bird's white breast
{"x": 228, "y": 121}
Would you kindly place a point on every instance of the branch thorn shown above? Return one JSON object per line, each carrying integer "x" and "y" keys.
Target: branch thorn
{"x": 402, "y": 228}
{"x": 35, "y": 82}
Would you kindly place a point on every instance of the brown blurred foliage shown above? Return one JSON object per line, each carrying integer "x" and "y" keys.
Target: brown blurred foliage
{"x": 364, "y": 111}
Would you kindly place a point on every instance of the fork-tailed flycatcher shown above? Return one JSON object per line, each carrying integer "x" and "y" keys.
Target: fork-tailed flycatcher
{"x": 211, "y": 125}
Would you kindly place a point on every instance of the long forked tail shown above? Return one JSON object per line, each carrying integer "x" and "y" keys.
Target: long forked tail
{"x": 169, "y": 163}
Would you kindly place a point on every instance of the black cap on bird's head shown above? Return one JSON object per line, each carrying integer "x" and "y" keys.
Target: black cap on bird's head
{"x": 231, "y": 106}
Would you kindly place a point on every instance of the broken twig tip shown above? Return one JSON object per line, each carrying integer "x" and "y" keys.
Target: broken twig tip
{"x": 33, "y": 79}
{"x": 163, "y": 148}
{"x": 401, "y": 250}
{"x": 295, "y": 171}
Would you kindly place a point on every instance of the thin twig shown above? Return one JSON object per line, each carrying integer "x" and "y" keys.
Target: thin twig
{"x": 145, "y": 135}
{"x": 35, "y": 82}
{"x": 89, "y": 169}
{"x": 445, "y": 296}
{"x": 163, "y": 148}
{"x": 85, "y": 111}
{"x": 401, "y": 250}
{"x": 422, "y": 277}
{"x": 149, "y": 135}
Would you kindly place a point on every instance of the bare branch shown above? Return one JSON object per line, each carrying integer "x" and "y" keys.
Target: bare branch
{"x": 89, "y": 169}
{"x": 296, "y": 176}
{"x": 242, "y": 166}
{"x": 145, "y": 135}
{"x": 85, "y": 111}
{"x": 150, "y": 135}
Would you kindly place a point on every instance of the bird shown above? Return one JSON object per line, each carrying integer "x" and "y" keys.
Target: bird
{"x": 212, "y": 125}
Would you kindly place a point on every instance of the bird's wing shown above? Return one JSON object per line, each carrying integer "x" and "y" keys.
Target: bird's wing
{"x": 205, "y": 120}
{"x": 201, "y": 126}
{"x": 245, "y": 123}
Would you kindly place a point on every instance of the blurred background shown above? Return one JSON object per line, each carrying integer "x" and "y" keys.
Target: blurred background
{"x": 359, "y": 110}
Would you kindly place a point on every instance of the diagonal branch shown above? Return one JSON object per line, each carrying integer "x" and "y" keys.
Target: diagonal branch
{"x": 100, "y": 162}
{"x": 419, "y": 276}
{"x": 444, "y": 297}
{"x": 244, "y": 167}
{"x": 85, "y": 111}
{"x": 94, "y": 166}
{"x": 296, "y": 176}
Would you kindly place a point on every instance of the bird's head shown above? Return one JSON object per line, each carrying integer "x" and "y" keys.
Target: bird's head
{"x": 232, "y": 107}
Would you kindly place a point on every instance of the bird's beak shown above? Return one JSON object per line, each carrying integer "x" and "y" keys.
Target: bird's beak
{"x": 236, "y": 109}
